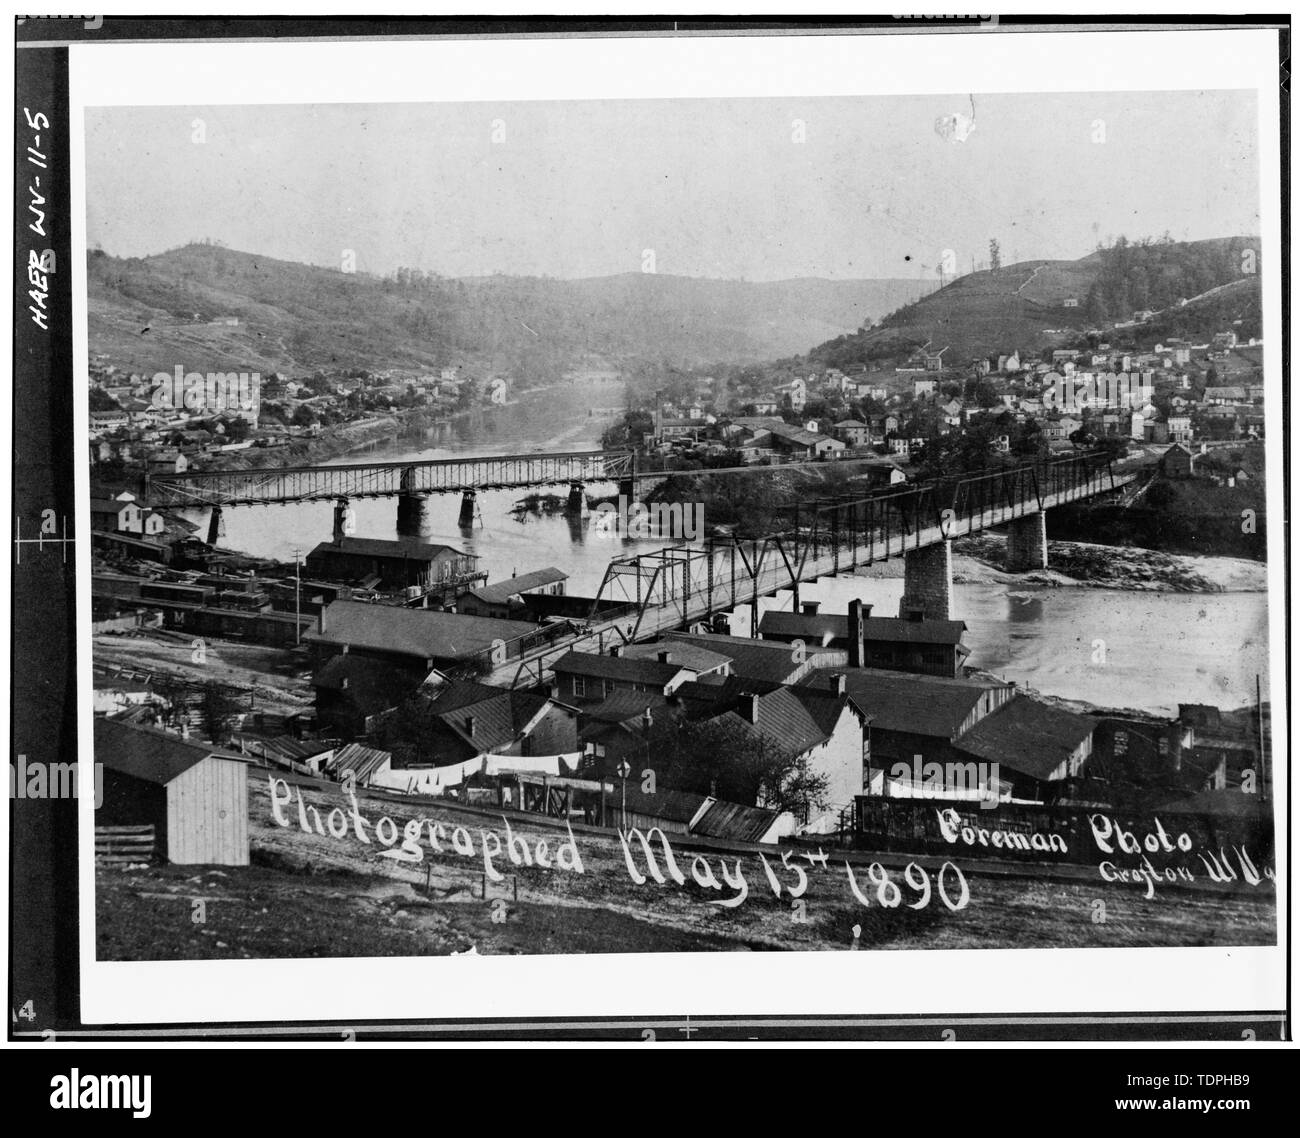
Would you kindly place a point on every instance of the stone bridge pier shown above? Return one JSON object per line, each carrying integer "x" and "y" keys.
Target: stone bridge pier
{"x": 927, "y": 582}
{"x": 577, "y": 503}
{"x": 414, "y": 508}
{"x": 1027, "y": 543}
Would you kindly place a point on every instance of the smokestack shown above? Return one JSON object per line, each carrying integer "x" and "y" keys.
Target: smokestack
{"x": 810, "y": 607}
{"x": 855, "y": 633}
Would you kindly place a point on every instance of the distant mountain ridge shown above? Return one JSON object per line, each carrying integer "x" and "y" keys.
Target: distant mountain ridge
{"x": 1034, "y": 305}
{"x": 293, "y": 317}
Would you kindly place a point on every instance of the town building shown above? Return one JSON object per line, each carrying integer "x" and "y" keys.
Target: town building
{"x": 389, "y": 563}
{"x": 418, "y": 640}
{"x": 195, "y": 797}
{"x": 927, "y": 647}
{"x": 503, "y": 599}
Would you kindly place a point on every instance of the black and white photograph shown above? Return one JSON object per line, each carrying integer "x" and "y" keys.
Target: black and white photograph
{"x": 779, "y": 500}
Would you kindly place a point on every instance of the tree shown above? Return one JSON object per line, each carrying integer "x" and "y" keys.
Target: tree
{"x": 738, "y": 764}
{"x": 215, "y": 711}
{"x": 237, "y": 429}
{"x": 304, "y": 415}
{"x": 995, "y": 255}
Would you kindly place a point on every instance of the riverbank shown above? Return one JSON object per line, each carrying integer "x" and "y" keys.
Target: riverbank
{"x": 982, "y": 560}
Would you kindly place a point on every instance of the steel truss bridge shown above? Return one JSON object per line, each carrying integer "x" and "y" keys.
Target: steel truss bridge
{"x": 215, "y": 488}
{"x": 683, "y": 586}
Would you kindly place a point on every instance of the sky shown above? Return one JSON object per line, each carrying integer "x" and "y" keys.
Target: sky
{"x": 753, "y": 189}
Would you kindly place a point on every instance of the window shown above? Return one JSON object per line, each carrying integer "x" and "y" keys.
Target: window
{"x": 579, "y": 685}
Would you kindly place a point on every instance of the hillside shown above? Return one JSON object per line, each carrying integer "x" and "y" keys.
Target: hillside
{"x": 295, "y": 318}
{"x": 1023, "y": 305}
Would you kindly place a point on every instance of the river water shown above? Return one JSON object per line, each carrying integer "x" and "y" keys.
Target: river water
{"x": 1114, "y": 648}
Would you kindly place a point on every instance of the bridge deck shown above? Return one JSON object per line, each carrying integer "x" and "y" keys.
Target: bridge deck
{"x": 721, "y": 577}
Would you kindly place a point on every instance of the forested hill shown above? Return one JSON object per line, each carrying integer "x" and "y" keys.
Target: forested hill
{"x": 1034, "y": 305}
{"x": 292, "y": 317}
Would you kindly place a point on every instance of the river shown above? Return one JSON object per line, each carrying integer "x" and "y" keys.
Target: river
{"x": 1115, "y": 648}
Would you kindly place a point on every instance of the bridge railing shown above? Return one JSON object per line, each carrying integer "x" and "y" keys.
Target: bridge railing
{"x": 203, "y": 488}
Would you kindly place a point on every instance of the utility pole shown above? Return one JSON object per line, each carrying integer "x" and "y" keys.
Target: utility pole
{"x": 297, "y": 591}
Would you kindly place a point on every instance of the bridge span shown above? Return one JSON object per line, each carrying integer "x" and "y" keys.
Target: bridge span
{"x": 685, "y": 586}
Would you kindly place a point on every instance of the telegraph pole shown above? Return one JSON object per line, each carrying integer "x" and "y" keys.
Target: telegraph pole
{"x": 297, "y": 595}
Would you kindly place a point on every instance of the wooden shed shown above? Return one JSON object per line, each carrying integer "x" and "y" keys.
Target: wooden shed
{"x": 194, "y": 796}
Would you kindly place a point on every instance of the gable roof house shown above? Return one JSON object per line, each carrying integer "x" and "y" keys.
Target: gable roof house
{"x": 194, "y": 796}
{"x": 415, "y": 639}
{"x": 502, "y": 599}
{"x": 466, "y": 719}
{"x": 931, "y": 647}
{"x": 588, "y": 677}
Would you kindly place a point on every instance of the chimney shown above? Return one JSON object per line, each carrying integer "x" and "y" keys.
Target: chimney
{"x": 616, "y": 650}
{"x": 750, "y": 707}
{"x": 322, "y": 617}
{"x": 810, "y": 607}
{"x": 665, "y": 656}
{"x": 469, "y": 726}
{"x": 840, "y": 682}
{"x": 855, "y": 633}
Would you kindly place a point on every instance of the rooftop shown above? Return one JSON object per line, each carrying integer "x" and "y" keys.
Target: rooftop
{"x": 499, "y": 592}
{"x": 908, "y": 703}
{"x": 148, "y": 754}
{"x": 1028, "y": 736}
{"x": 624, "y": 668}
{"x": 411, "y": 632}
{"x": 411, "y": 548}
{"x": 816, "y": 626}
{"x": 759, "y": 659}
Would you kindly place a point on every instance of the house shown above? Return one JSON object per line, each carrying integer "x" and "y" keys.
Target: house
{"x": 682, "y": 812}
{"x": 761, "y": 660}
{"x": 114, "y": 694}
{"x": 119, "y": 514}
{"x": 923, "y": 388}
{"x": 1224, "y": 396}
{"x": 879, "y": 471}
{"x": 680, "y": 428}
{"x": 194, "y": 796}
{"x": 952, "y": 412}
{"x": 1033, "y": 741}
{"x": 853, "y": 433}
{"x": 766, "y": 405}
{"x": 389, "y": 563}
{"x": 801, "y": 444}
{"x": 916, "y": 720}
{"x": 1178, "y": 462}
{"x": 353, "y": 691}
{"x": 167, "y": 460}
{"x": 1225, "y": 339}
{"x": 934, "y": 360}
{"x": 466, "y": 719}
{"x": 102, "y": 421}
{"x": 588, "y": 677}
{"x": 367, "y": 765}
{"x": 827, "y": 729}
{"x": 927, "y": 647}
{"x": 418, "y": 640}
{"x": 503, "y": 598}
